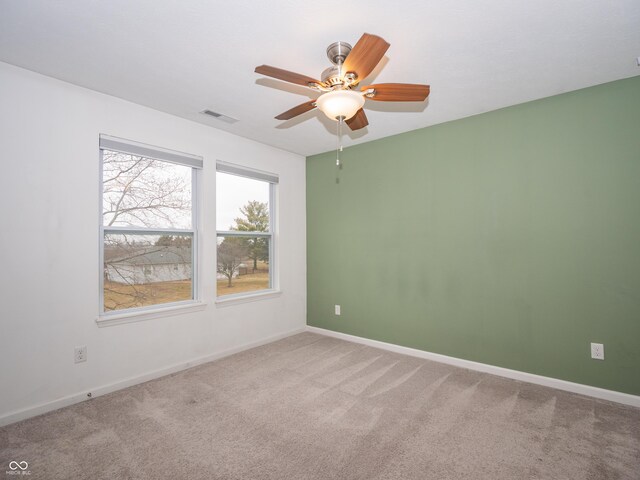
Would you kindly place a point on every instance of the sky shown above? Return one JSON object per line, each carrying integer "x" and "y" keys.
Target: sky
{"x": 233, "y": 192}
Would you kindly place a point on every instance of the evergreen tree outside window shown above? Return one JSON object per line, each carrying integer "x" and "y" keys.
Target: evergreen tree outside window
{"x": 245, "y": 230}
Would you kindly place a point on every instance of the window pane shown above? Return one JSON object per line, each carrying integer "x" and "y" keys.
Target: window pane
{"x": 243, "y": 264}
{"x": 142, "y": 270}
{"x": 143, "y": 192}
{"x": 241, "y": 203}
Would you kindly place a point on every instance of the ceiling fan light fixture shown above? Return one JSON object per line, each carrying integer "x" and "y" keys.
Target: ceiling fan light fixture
{"x": 340, "y": 103}
{"x": 338, "y": 99}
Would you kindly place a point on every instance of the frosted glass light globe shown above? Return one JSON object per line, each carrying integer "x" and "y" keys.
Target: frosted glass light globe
{"x": 340, "y": 103}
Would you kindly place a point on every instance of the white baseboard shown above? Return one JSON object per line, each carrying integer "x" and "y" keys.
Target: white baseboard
{"x": 32, "y": 411}
{"x": 588, "y": 390}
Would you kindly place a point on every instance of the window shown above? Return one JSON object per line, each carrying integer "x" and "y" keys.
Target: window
{"x": 148, "y": 221}
{"x": 245, "y": 223}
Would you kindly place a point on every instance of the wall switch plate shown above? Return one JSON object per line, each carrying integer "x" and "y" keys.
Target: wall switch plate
{"x": 337, "y": 309}
{"x": 80, "y": 354}
{"x": 597, "y": 351}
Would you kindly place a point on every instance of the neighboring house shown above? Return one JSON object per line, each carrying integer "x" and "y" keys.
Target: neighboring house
{"x": 147, "y": 264}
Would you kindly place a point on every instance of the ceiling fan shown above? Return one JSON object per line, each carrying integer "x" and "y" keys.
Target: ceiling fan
{"x": 340, "y": 100}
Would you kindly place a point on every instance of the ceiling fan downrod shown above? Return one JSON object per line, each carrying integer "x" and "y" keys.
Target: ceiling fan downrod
{"x": 332, "y": 77}
{"x": 338, "y": 51}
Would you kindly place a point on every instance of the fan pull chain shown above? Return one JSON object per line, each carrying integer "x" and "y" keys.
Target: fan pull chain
{"x": 339, "y": 141}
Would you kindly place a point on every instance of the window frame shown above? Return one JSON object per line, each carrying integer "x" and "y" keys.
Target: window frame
{"x": 128, "y": 147}
{"x": 273, "y": 181}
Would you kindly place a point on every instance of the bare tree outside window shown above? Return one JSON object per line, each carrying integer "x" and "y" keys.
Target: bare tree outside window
{"x": 232, "y": 252}
{"x": 144, "y": 192}
{"x": 144, "y": 267}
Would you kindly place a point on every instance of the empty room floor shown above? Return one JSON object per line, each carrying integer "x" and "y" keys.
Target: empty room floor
{"x": 314, "y": 407}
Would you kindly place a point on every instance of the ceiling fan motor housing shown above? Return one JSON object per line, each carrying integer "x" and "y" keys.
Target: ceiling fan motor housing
{"x": 331, "y": 77}
{"x": 337, "y": 53}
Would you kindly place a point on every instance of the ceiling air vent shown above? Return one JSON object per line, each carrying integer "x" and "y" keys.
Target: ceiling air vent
{"x": 219, "y": 116}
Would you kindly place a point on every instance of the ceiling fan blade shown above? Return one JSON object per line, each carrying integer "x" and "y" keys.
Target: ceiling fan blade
{"x": 297, "y": 110}
{"x": 398, "y": 92}
{"x": 285, "y": 75}
{"x": 358, "y": 121}
{"x": 364, "y": 56}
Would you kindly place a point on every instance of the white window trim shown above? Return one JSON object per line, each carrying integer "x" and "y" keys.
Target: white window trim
{"x": 274, "y": 284}
{"x": 137, "y": 315}
{"x": 129, "y": 315}
{"x": 257, "y": 295}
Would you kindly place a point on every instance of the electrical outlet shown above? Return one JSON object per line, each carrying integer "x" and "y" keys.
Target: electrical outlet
{"x": 597, "y": 351}
{"x": 80, "y": 354}
{"x": 337, "y": 309}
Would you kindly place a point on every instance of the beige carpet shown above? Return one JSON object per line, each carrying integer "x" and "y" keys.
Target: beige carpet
{"x": 312, "y": 407}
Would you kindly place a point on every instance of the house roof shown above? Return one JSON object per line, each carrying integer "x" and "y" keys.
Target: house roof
{"x": 147, "y": 255}
{"x": 184, "y": 57}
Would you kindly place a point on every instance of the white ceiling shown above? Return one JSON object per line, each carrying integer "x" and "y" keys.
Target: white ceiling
{"x": 184, "y": 56}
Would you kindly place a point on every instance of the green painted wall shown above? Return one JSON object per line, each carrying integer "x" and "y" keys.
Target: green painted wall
{"x": 510, "y": 238}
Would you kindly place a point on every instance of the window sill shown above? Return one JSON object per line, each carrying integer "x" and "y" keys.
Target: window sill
{"x": 227, "y": 300}
{"x": 139, "y": 316}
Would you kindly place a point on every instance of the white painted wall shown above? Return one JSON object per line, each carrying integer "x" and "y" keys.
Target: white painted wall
{"x": 49, "y": 247}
